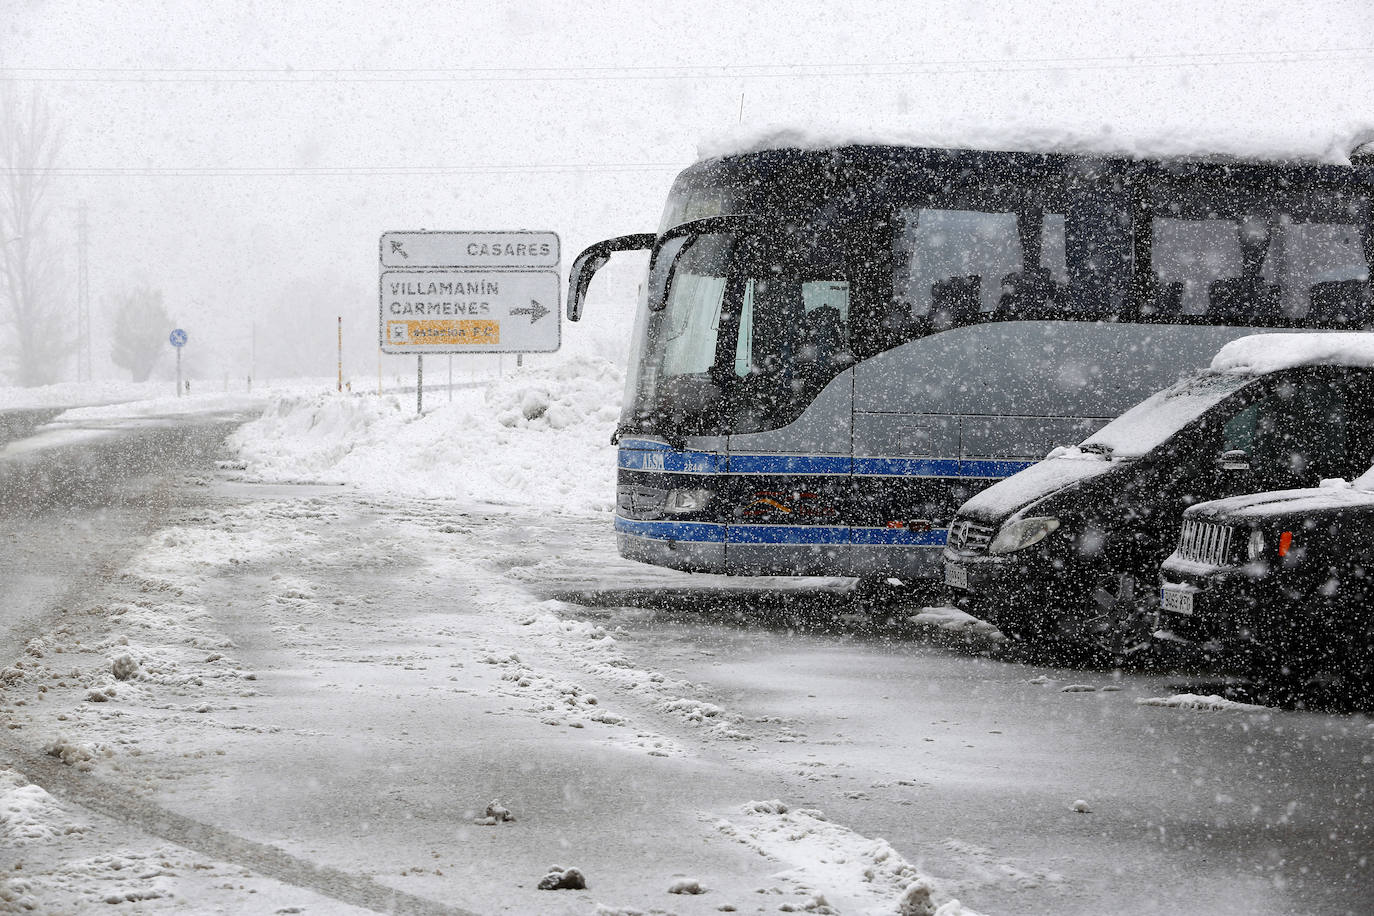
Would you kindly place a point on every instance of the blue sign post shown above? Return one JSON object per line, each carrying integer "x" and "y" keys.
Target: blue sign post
{"x": 178, "y": 339}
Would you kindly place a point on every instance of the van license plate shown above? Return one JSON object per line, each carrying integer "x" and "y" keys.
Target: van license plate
{"x": 1176, "y": 601}
{"x": 956, "y": 575}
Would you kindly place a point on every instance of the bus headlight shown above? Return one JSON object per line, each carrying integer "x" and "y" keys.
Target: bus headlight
{"x": 682, "y": 501}
{"x": 1022, "y": 533}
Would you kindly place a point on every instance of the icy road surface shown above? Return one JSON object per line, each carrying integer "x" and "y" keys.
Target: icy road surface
{"x": 323, "y": 698}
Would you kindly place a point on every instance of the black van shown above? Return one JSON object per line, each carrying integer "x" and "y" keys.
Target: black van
{"x": 1279, "y": 584}
{"x": 1057, "y": 550}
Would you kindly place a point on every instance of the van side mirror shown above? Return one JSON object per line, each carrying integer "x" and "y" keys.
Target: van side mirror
{"x": 593, "y": 259}
{"x": 1233, "y": 460}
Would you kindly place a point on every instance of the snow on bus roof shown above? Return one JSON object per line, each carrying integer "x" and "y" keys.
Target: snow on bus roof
{"x": 1260, "y": 353}
{"x": 1332, "y": 145}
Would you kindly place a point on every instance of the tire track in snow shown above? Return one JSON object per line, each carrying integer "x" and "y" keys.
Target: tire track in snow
{"x": 119, "y": 805}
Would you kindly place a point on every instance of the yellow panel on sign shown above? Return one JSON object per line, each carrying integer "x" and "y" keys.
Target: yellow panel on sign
{"x": 444, "y": 332}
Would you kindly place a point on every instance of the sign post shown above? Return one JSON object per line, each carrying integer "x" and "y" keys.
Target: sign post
{"x": 178, "y": 339}
{"x": 468, "y": 292}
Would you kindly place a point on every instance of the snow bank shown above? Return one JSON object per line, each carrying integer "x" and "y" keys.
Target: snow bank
{"x": 843, "y": 871}
{"x": 68, "y": 394}
{"x": 145, "y": 394}
{"x": 29, "y": 814}
{"x": 1260, "y": 353}
{"x": 1209, "y": 703}
{"x": 1304, "y": 142}
{"x": 540, "y": 437}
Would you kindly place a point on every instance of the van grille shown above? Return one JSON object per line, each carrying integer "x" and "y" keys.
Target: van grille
{"x": 1203, "y": 542}
{"x": 967, "y": 537}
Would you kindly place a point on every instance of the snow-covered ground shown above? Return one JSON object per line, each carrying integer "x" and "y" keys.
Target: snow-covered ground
{"x": 341, "y": 677}
{"x": 177, "y": 673}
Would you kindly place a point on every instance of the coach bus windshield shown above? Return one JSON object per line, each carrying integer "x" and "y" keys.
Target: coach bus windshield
{"x": 754, "y": 325}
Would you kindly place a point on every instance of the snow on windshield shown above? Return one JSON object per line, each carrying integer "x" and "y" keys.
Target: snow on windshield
{"x": 1261, "y": 353}
{"x": 1164, "y": 413}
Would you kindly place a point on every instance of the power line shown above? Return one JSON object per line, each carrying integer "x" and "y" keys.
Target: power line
{"x": 342, "y": 171}
{"x": 1174, "y": 60}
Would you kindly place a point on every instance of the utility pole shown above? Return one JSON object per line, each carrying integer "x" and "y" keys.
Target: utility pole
{"x": 340, "y": 354}
{"x": 83, "y": 296}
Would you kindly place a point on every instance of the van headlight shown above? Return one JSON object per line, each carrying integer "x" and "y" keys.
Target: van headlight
{"x": 683, "y": 501}
{"x": 1022, "y": 533}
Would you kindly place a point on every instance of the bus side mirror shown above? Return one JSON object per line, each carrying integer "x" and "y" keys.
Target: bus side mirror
{"x": 661, "y": 267}
{"x": 1233, "y": 460}
{"x": 593, "y": 259}
{"x": 670, "y": 245}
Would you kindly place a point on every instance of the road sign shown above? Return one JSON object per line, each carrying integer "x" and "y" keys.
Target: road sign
{"x": 469, "y": 311}
{"x": 469, "y": 292}
{"x": 177, "y": 338}
{"x": 470, "y": 250}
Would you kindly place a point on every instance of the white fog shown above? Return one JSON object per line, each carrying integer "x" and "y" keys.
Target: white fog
{"x": 965, "y": 514}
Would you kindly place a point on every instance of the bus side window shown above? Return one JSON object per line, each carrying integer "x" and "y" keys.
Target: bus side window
{"x": 1194, "y": 253}
{"x": 935, "y": 245}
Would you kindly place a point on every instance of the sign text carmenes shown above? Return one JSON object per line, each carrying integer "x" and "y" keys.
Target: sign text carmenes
{"x": 469, "y": 292}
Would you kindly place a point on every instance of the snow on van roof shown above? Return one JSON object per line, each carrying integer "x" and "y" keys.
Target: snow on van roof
{"x": 1331, "y": 145}
{"x": 1260, "y": 353}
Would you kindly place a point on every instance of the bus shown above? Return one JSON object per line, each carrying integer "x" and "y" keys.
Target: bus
{"x": 836, "y": 347}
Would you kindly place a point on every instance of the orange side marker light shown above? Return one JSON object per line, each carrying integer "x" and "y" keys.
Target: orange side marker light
{"x": 1285, "y": 541}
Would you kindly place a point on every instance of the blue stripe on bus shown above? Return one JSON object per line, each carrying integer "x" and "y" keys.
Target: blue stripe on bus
{"x": 898, "y": 537}
{"x": 672, "y": 531}
{"x": 992, "y": 467}
{"x": 907, "y": 467}
{"x": 667, "y": 460}
{"x": 790, "y": 464}
{"x": 787, "y": 534}
{"x": 780, "y": 534}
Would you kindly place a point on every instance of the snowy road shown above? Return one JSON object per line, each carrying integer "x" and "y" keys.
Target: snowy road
{"x": 68, "y": 507}
{"x": 303, "y": 698}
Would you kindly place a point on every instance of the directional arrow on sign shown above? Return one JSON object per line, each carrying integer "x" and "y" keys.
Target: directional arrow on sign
{"x": 535, "y": 311}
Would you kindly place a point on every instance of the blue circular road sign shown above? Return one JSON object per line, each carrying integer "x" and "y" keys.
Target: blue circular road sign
{"x": 177, "y": 338}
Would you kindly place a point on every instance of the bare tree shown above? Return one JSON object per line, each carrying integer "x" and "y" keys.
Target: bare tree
{"x": 140, "y": 332}
{"x": 33, "y": 291}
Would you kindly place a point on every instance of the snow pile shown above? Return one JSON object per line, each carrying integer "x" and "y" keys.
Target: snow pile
{"x": 29, "y": 814}
{"x": 843, "y": 871}
{"x": 168, "y": 406}
{"x": 1260, "y": 353}
{"x": 564, "y": 641}
{"x": 540, "y": 437}
{"x": 953, "y": 620}
{"x": 66, "y": 394}
{"x": 1209, "y": 703}
{"x": 1305, "y": 142}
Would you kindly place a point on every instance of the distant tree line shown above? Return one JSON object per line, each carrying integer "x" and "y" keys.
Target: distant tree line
{"x": 37, "y": 314}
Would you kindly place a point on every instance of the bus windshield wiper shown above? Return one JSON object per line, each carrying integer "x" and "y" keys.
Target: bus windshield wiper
{"x": 1097, "y": 448}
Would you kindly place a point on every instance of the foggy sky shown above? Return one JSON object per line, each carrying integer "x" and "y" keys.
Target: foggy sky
{"x": 244, "y": 158}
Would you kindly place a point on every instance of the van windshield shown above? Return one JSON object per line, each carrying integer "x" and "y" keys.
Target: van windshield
{"x": 1151, "y": 422}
